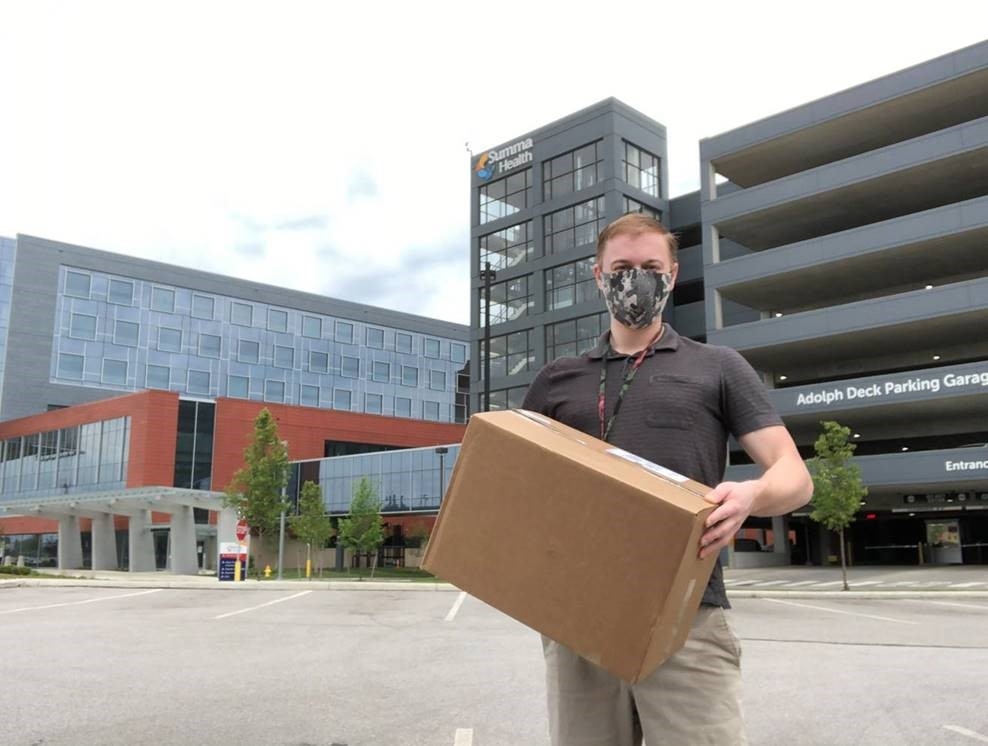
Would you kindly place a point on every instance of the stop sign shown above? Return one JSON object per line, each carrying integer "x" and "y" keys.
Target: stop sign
{"x": 242, "y": 530}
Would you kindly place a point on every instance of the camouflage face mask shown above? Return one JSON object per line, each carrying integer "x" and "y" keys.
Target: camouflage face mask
{"x": 636, "y": 297}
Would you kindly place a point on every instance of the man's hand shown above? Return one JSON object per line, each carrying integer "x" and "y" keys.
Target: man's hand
{"x": 734, "y": 501}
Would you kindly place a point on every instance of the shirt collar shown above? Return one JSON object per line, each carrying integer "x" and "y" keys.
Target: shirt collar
{"x": 668, "y": 341}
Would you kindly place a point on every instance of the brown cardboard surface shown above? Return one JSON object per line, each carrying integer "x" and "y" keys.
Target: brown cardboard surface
{"x": 576, "y": 539}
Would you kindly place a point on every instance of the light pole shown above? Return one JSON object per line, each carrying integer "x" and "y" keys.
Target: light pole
{"x": 487, "y": 276}
{"x": 442, "y": 451}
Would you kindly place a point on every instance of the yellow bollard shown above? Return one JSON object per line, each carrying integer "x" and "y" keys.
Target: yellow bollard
{"x": 267, "y": 571}
{"x": 236, "y": 571}
{"x": 308, "y": 568}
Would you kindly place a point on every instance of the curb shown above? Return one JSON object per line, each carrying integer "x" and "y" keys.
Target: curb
{"x": 269, "y": 585}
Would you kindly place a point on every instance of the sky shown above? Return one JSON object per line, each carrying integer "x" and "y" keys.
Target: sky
{"x": 323, "y": 147}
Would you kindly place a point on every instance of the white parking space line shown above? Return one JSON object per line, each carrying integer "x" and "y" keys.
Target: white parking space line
{"x": 463, "y": 737}
{"x": 859, "y": 583}
{"x": 966, "y": 585}
{"x": 767, "y": 583}
{"x": 832, "y": 582}
{"x": 78, "y": 603}
{"x": 802, "y": 582}
{"x": 966, "y": 732}
{"x": 452, "y": 615}
{"x": 840, "y": 611}
{"x": 740, "y": 582}
{"x": 963, "y": 606}
{"x": 261, "y": 606}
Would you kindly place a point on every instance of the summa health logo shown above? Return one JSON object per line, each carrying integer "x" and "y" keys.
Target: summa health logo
{"x": 504, "y": 159}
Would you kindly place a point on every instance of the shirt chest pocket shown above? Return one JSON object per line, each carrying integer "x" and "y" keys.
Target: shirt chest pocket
{"x": 676, "y": 401}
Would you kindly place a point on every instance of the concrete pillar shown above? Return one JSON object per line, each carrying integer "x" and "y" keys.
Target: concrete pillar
{"x": 104, "y": 543}
{"x": 226, "y": 526}
{"x": 780, "y": 533}
{"x": 182, "y": 556}
{"x": 69, "y": 543}
{"x": 210, "y": 552}
{"x": 140, "y": 543}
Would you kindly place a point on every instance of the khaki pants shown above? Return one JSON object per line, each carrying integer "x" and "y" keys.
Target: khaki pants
{"x": 692, "y": 699}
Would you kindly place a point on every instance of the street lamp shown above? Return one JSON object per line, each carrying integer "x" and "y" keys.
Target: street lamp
{"x": 442, "y": 451}
{"x": 487, "y": 276}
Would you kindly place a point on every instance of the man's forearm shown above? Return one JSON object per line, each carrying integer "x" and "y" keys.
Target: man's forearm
{"x": 782, "y": 488}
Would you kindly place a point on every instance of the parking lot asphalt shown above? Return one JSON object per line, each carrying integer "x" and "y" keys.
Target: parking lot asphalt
{"x": 90, "y": 665}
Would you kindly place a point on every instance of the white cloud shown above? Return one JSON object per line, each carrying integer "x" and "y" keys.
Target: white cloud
{"x": 246, "y": 138}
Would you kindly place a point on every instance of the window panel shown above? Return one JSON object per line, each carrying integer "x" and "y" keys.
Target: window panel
{"x": 312, "y": 327}
{"x": 641, "y": 170}
{"x": 430, "y": 410}
{"x": 349, "y": 367}
{"x": 169, "y": 340}
{"x": 241, "y": 314}
{"x": 344, "y": 332}
{"x": 457, "y": 352}
{"x": 209, "y": 345}
{"x": 121, "y": 292}
{"x": 375, "y": 338}
{"x": 277, "y": 320}
{"x": 70, "y": 366}
{"x": 570, "y": 284}
{"x": 341, "y": 399}
{"x": 571, "y": 172}
{"x": 203, "y": 307}
{"x": 284, "y": 357}
{"x": 499, "y": 199}
{"x": 274, "y": 391}
{"x": 126, "y": 333}
{"x": 431, "y": 348}
{"x": 633, "y": 205}
{"x": 409, "y": 376}
{"x": 248, "y": 351}
{"x": 403, "y": 406}
{"x": 82, "y": 326}
{"x": 507, "y": 247}
{"x": 77, "y": 284}
{"x": 381, "y": 372}
{"x": 163, "y": 299}
{"x": 510, "y": 300}
{"x": 199, "y": 382}
{"x": 158, "y": 377}
{"x": 115, "y": 372}
{"x": 308, "y": 396}
{"x": 403, "y": 342}
{"x": 238, "y": 386}
{"x": 437, "y": 380}
{"x": 373, "y": 403}
{"x": 574, "y": 226}
{"x": 574, "y": 337}
{"x": 511, "y": 354}
{"x": 318, "y": 362}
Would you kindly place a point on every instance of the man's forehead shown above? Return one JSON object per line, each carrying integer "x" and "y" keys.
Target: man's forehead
{"x": 639, "y": 248}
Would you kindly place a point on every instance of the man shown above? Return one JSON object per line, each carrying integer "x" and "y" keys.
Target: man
{"x": 673, "y": 401}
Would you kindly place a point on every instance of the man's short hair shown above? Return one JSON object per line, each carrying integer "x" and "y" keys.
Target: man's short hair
{"x": 635, "y": 224}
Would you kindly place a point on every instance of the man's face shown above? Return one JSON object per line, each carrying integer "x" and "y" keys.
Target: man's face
{"x": 645, "y": 251}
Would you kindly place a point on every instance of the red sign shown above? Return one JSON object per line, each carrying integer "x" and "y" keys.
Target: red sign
{"x": 242, "y": 530}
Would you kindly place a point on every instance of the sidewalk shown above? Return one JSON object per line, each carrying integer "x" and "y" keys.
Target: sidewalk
{"x": 961, "y": 581}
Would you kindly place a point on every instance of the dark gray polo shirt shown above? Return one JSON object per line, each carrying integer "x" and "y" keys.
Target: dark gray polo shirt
{"x": 684, "y": 402}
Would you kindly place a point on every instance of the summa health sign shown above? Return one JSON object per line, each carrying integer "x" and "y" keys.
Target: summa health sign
{"x": 496, "y": 162}
{"x": 892, "y": 388}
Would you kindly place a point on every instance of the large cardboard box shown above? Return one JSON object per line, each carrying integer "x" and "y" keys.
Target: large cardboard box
{"x": 583, "y": 542}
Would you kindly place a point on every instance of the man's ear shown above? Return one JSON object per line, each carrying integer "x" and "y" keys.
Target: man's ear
{"x": 597, "y": 272}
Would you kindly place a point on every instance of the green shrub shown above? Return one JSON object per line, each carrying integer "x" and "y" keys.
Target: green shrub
{"x": 14, "y": 570}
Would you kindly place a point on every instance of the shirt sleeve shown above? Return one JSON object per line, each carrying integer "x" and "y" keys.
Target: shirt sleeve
{"x": 746, "y": 404}
{"x": 537, "y": 396}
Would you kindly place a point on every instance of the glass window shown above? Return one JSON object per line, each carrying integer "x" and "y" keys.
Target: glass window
{"x": 633, "y": 205}
{"x": 571, "y": 172}
{"x": 510, "y": 354}
{"x": 158, "y": 376}
{"x": 248, "y": 351}
{"x": 381, "y": 372}
{"x": 403, "y": 342}
{"x": 77, "y": 284}
{"x": 274, "y": 391}
{"x": 115, "y": 371}
{"x": 375, "y": 338}
{"x": 430, "y": 410}
{"x": 577, "y": 225}
{"x": 373, "y": 403}
{"x": 209, "y": 345}
{"x": 82, "y": 326}
{"x": 241, "y": 314}
{"x": 507, "y": 247}
{"x": 437, "y": 380}
{"x": 505, "y": 197}
{"x": 277, "y": 320}
{"x": 641, "y": 169}
{"x": 571, "y": 284}
{"x": 284, "y": 357}
{"x": 312, "y": 327}
{"x": 169, "y": 340}
{"x": 349, "y": 367}
{"x": 126, "y": 333}
{"x": 457, "y": 352}
{"x": 238, "y": 386}
{"x": 344, "y": 332}
{"x": 163, "y": 299}
{"x": 198, "y": 381}
{"x": 341, "y": 399}
{"x": 431, "y": 348}
{"x": 403, "y": 406}
{"x": 318, "y": 362}
{"x": 308, "y": 396}
{"x": 409, "y": 375}
{"x": 508, "y": 398}
{"x": 510, "y": 300}
{"x": 203, "y": 307}
{"x": 575, "y": 336}
{"x": 70, "y": 366}
{"x": 121, "y": 292}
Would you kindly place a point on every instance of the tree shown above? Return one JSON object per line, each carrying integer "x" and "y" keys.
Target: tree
{"x": 311, "y": 525}
{"x": 256, "y": 490}
{"x": 362, "y": 530}
{"x": 837, "y": 487}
